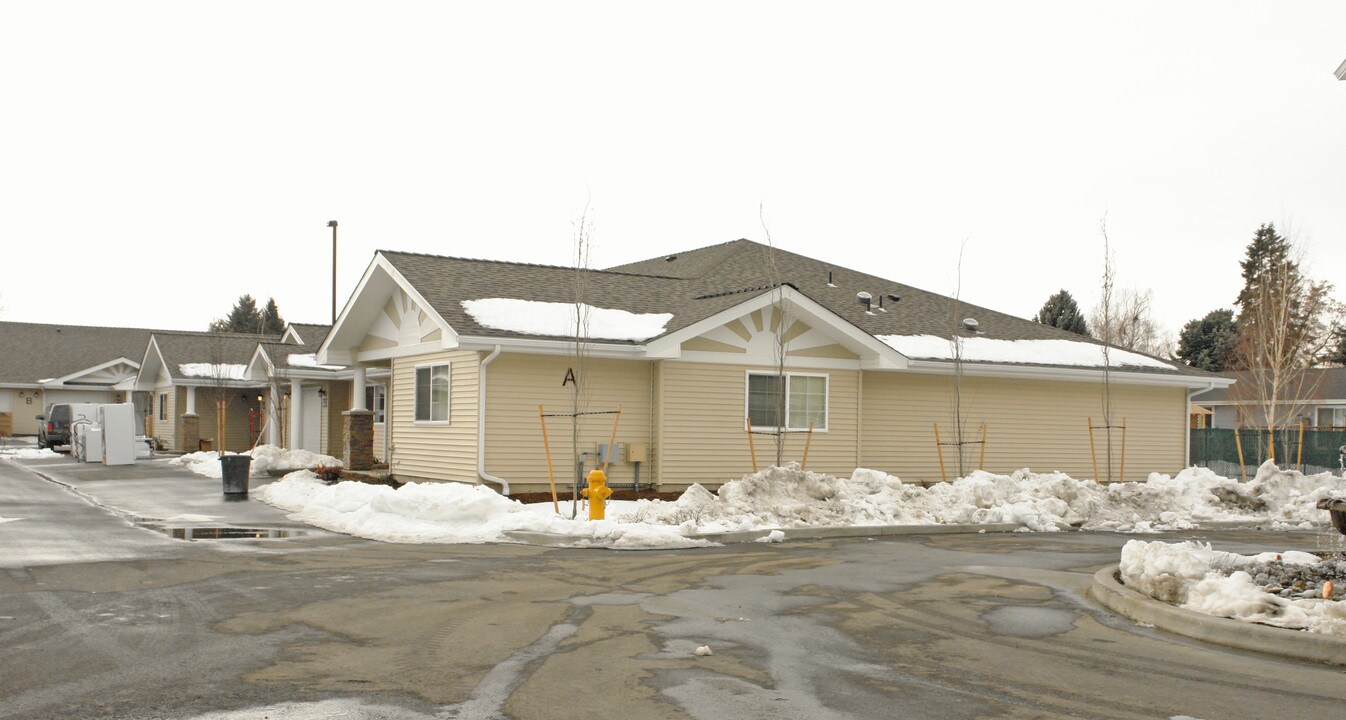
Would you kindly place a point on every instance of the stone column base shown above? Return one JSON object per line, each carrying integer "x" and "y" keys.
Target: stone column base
{"x": 190, "y": 441}
{"x": 358, "y": 440}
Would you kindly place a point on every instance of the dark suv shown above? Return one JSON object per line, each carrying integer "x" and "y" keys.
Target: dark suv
{"x": 54, "y": 428}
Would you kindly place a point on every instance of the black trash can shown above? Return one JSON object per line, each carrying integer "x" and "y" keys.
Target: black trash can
{"x": 234, "y": 470}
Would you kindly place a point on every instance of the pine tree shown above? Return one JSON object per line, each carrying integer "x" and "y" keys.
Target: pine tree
{"x": 1337, "y": 354}
{"x": 244, "y": 318}
{"x": 1061, "y": 311}
{"x": 1209, "y": 343}
{"x": 272, "y": 322}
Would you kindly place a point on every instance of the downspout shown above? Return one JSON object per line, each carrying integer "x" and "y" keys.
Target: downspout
{"x": 481, "y": 425}
{"x": 1187, "y": 432}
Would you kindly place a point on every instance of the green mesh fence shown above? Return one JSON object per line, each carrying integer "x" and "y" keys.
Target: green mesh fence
{"x": 1218, "y": 449}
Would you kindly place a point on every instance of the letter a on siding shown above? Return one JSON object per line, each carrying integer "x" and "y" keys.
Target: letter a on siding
{"x": 569, "y": 378}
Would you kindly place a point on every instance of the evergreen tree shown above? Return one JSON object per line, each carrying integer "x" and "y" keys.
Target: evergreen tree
{"x": 1337, "y": 353}
{"x": 272, "y": 322}
{"x": 244, "y": 318}
{"x": 1283, "y": 316}
{"x": 1209, "y": 343}
{"x": 1061, "y": 311}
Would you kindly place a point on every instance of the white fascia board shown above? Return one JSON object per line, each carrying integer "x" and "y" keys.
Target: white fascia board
{"x": 312, "y": 374}
{"x": 94, "y": 369}
{"x": 149, "y": 368}
{"x": 1033, "y": 372}
{"x": 397, "y": 352}
{"x": 871, "y": 350}
{"x": 801, "y": 363}
{"x": 550, "y": 347}
{"x": 209, "y": 383}
{"x": 449, "y": 340}
{"x": 21, "y": 386}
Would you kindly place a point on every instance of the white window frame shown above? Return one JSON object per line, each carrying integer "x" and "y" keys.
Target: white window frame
{"x": 415, "y": 393}
{"x": 1335, "y": 409}
{"x": 827, "y": 399}
{"x": 379, "y": 404}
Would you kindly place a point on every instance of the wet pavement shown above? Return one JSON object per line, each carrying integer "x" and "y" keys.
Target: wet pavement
{"x": 123, "y": 622}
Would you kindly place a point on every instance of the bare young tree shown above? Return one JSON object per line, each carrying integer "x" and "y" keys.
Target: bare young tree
{"x": 1132, "y": 326}
{"x": 1105, "y": 325}
{"x": 956, "y": 331}
{"x": 1283, "y": 330}
{"x": 781, "y": 324}
{"x": 577, "y": 378}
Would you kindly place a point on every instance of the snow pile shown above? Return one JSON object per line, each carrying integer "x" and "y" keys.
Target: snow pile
{"x": 448, "y": 513}
{"x": 789, "y": 497}
{"x": 1194, "y": 576}
{"x": 214, "y": 371}
{"x": 28, "y": 453}
{"x": 265, "y": 458}
{"x": 1039, "y": 352}
{"x": 533, "y": 317}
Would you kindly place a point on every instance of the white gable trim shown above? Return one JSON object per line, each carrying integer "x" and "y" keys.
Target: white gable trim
{"x": 146, "y": 366}
{"x": 340, "y": 347}
{"x": 874, "y": 355}
{"x": 261, "y": 371}
{"x": 61, "y": 381}
{"x": 291, "y": 336}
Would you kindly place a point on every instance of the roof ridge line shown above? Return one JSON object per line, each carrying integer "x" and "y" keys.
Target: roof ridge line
{"x": 525, "y": 264}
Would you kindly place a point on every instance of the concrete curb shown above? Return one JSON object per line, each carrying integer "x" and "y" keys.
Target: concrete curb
{"x": 1297, "y": 644}
{"x": 807, "y": 533}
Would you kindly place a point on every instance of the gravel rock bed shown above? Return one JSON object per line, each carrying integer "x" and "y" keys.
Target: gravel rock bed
{"x": 1304, "y": 581}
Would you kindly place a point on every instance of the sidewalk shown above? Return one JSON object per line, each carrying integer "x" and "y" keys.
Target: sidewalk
{"x": 162, "y": 493}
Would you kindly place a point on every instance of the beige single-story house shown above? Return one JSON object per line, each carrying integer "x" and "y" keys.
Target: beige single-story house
{"x": 706, "y": 350}
{"x": 1315, "y": 399}
{"x": 43, "y": 364}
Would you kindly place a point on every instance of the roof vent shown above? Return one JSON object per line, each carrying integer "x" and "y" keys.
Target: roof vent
{"x": 670, "y": 258}
{"x": 894, "y": 297}
{"x": 971, "y": 324}
{"x": 867, "y": 300}
{"x": 829, "y": 279}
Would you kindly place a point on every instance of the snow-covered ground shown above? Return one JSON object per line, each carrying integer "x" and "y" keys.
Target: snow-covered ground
{"x": 28, "y": 453}
{"x": 1253, "y": 588}
{"x": 790, "y": 498}
{"x": 265, "y": 459}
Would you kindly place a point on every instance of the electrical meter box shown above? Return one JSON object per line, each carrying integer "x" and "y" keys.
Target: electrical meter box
{"x": 637, "y": 452}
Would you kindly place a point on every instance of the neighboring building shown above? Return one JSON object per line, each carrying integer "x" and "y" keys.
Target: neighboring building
{"x": 42, "y": 364}
{"x": 1318, "y": 400}
{"x": 688, "y": 344}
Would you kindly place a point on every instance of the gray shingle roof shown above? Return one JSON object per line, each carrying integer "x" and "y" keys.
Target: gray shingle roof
{"x": 696, "y": 284}
{"x": 181, "y": 348}
{"x": 37, "y": 351}
{"x": 1320, "y": 384}
{"x": 312, "y": 334}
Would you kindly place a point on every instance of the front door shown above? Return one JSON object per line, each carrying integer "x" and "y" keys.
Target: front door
{"x": 312, "y": 433}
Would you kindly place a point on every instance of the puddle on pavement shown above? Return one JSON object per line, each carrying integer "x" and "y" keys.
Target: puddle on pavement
{"x": 228, "y": 533}
{"x": 1028, "y": 621}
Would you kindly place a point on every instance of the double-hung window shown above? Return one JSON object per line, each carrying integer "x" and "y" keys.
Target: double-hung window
{"x": 163, "y": 406}
{"x": 1332, "y": 417}
{"x": 375, "y": 401}
{"x": 793, "y": 401}
{"x": 432, "y": 393}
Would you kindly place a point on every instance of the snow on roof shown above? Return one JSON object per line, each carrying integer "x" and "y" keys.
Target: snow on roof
{"x": 532, "y": 317}
{"x": 309, "y": 360}
{"x": 214, "y": 371}
{"x": 1037, "y": 352}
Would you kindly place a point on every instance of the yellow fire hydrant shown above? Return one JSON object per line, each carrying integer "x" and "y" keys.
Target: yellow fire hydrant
{"x": 597, "y": 494}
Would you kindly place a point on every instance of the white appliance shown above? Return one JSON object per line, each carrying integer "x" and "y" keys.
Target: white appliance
{"x": 119, "y": 433}
{"x": 93, "y": 444}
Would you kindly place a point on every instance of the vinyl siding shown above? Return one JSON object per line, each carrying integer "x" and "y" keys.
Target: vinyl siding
{"x": 165, "y": 431}
{"x": 1040, "y": 424}
{"x": 238, "y": 435}
{"x": 518, "y": 383}
{"x": 24, "y": 414}
{"x": 334, "y": 423}
{"x": 436, "y": 451}
{"x": 702, "y": 438}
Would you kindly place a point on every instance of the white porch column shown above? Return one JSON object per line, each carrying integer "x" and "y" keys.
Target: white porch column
{"x": 272, "y": 414}
{"x": 296, "y": 413}
{"x": 191, "y": 399}
{"x": 358, "y": 389}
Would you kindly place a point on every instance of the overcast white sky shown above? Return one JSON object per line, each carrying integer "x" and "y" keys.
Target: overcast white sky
{"x": 157, "y": 160}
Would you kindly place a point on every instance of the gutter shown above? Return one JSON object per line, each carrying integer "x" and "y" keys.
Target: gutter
{"x": 481, "y": 425}
{"x": 1187, "y": 435}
